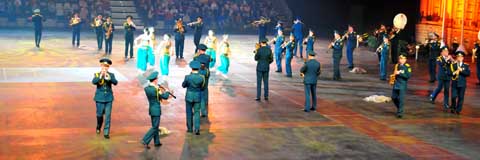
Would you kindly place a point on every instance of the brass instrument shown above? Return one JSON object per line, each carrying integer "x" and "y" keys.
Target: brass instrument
{"x": 193, "y": 23}
{"x": 74, "y": 21}
{"x": 380, "y": 48}
{"x": 180, "y": 27}
{"x": 393, "y": 76}
{"x": 257, "y": 46}
{"x": 96, "y": 22}
{"x": 109, "y": 31}
{"x": 456, "y": 73}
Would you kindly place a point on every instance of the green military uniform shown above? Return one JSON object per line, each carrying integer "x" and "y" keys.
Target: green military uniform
{"x": 311, "y": 71}
{"x": 264, "y": 58}
{"x": 400, "y": 86}
{"x": 459, "y": 83}
{"x": 154, "y": 95}
{"x": 194, "y": 84}
{"x": 104, "y": 97}
{"x": 205, "y": 71}
{"x": 337, "y": 47}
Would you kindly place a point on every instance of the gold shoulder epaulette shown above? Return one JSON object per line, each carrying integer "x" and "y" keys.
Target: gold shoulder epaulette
{"x": 406, "y": 64}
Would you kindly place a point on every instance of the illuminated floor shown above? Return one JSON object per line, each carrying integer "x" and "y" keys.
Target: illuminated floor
{"x": 47, "y": 110}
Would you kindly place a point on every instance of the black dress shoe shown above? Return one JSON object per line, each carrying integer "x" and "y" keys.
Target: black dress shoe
{"x": 457, "y": 112}
{"x": 257, "y": 99}
{"x": 204, "y": 116}
{"x": 106, "y": 136}
{"x": 431, "y": 81}
{"x": 98, "y": 131}
{"x": 266, "y": 98}
{"x": 432, "y": 101}
{"x": 158, "y": 145}
{"x": 197, "y": 132}
{"x": 313, "y": 109}
{"x": 278, "y": 71}
{"x": 305, "y": 110}
{"x": 189, "y": 131}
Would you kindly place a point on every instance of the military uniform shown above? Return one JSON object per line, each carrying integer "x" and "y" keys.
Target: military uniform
{"x": 194, "y": 84}
{"x": 337, "y": 57}
{"x": 278, "y": 52}
{"x": 298, "y": 33}
{"x": 129, "y": 31}
{"x": 104, "y": 97}
{"x": 198, "y": 28}
{"x": 264, "y": 58}
{"x": 109, "y": 39}
{"x": 310, "y": 70}
{"x": 459, "y": 84}
{"x": 97, "y": 24}
{"x": 434, "y": 52}
{"x": 383, "y": 60}
{"x": 262, "y": 32}
{"x": 289, "y": 49}
{"x": 179, "y": 41}
{"x": 400, "y": 86}
{"x": 444, "y": 76}
{"x": 154, "y": 96}
{"x": 204, "y": 70}
{"x": 38, "y": 20}
{"x": 310, "y": 43}
{"x": 351, "y": 44}
{"x": 76, "y": 31}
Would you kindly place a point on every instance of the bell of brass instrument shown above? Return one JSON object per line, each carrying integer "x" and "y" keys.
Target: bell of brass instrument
{"x": 109, "y": 31}
{"x": 392, "y": 79}
{"x": 163, "y": 89}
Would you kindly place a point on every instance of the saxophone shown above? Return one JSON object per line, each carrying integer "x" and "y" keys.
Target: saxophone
{"x": 393, "y": 76}
{"x": 456, "y": 73}
{"x": 109, "y": 31}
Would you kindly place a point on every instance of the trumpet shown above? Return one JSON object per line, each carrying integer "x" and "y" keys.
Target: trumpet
{"x": 193, "y": 23}
{"x": 163, "y": 89}
{"x": 74, "y": 21}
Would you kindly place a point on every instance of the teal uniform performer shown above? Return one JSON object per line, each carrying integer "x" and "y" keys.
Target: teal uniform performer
{"x": 310, "y": 72}
{"x": 104, "y": 95}
{"x": 194, "y": 84}
{"x": 402, "y": 73}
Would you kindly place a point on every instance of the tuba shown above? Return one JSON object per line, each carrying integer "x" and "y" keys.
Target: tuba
{"x": 392, "y": 79}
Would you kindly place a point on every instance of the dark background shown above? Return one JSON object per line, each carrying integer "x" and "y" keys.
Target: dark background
{"x": 324, "y": 16}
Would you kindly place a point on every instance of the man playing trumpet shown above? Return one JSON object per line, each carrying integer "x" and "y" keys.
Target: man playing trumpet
{"x": 104, "y": 95}
{"x": 460, "y": 72}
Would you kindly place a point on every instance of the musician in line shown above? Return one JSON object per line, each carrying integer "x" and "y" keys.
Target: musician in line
{"x": 310, "y": 72}
{"x": 154, "y": 95}
{"x": 179, "y": 30}
{"x": 37, "y": 20}
{"x": 297, "y": 30}
{"x": 337, "y": 47}
{"x": 460, "y": 72}
{"x": 262, "y": 27}
{"x": 204, "y": 60}
{"x": 279, "y": 40}
{"x": 279, "y": 26}
{"x": 401, "y": 74}
{"x": 379, "y": 34}
{"x": 309, "y": 41}
{"x": 194, "y": 82}
{"x": 97, "y": 25}
{"x": 394, "y": 40}
{"x": 198, "y": 28}
{"x": 108, "y": 28}
{"x": 434, "y": 51}
{"x": 289, "y": 53}
{"x": 75, "y": 23}
{"x": 384, "y": 51}
{"x": 129, "y": 28}
{"x": 477, "y": 56}
{"x": 444, "y": 77}
{"x": 103, "y": 81}
{"x": 351, "y": 44}
{"x": 264, "y": 58}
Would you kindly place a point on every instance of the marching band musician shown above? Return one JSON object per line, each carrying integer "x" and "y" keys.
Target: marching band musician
{"x": 289, "y": 47}
{"x": 194, "y": 82}
{"x": 179, "y": 30}
{"x": 129, "y": 28}
{"x": 262, "y": 27}
{"x": 154, "y": 96}
{"x": 434, "y": 51}
{"x": 198, "y": 28}
{"x": 204, "y": 60}
{"x": 477, "y": 56}
{"x": 297, "y": 30}
{"x": 351, "y": 44}
{"x": 264, "y": 58}
{"x": 384, "y": 51}
{"x": 104, "y": 96}
{"x": 279, "y": 40}
{"x": 97, "y": 25}
{"x": 379, "y": 34}
{"x": 108, "y": 28}
{"x": 337, "y": 47}
{"x": 460, "y": 72}
{"x": 75, "y": 22}
{"x": 309, "y": 41}
{"x": 444, "y": 76}
{"x": 402, "y": 73}
{"x": 37, "y": 20}
{"x": 310, "y": 72}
